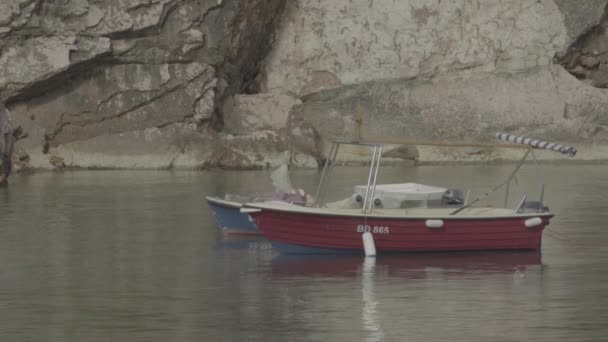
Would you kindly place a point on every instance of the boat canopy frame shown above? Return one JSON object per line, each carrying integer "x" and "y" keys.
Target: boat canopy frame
{"x": 377, "y": 146}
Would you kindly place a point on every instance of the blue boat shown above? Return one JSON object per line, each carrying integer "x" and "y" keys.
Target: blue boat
{"x": 230, "y": 219}
{"x": 227, "y": 211}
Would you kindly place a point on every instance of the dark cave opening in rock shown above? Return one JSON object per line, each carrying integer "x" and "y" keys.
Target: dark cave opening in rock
{"x": 587, "y": 56}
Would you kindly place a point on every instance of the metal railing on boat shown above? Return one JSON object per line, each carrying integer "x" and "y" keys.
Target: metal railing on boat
{"x": 377, "y": 145}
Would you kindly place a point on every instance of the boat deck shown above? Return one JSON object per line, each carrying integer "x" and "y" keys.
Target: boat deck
{"x": 414, "y": 213}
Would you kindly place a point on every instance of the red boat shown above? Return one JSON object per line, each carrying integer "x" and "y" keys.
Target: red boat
{"x": 318, "y": 230}
{"x": 394, "y": 224}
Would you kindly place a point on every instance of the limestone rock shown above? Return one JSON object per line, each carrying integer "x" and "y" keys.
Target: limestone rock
{"x": 467, "y": 106}
{"x": 140, "y": 97}
{"x": 585, "y": 108}
{"x": 77, "y": 71}
{"x": 176, "y": 83}
{"x": 362, "y": 41}
{"x": 20, "y": 160}
{"x": 406, "y": 152}
{"x": 57, "y": 162}
{"x": 589, "y": 62}
{"x": 247, "y": 113}
{"x": 14, "y": 14}
{"x": 581, "y": 16}
{"x": 178, "y": 146}
{"x": 320, "y": 80}
{"x": 261, "y": 149}
{"x": 589, "y": 44}
{"x": 27, "y": 64}
{"x": 304, "y": 139}
{"x": 149, "y": 148}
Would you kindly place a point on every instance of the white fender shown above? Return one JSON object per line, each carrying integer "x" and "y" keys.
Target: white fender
{"x": 368, "y": 244}
{"x": 533, "y": 222}
{"x": 434, "y": 223}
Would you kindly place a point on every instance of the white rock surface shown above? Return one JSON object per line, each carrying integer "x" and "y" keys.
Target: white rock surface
{"x": 247, "y": 113}
{"x": 364, "y": 40}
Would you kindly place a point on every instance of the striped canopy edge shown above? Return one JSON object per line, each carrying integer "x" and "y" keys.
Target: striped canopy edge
{"x": 536, "y": 143}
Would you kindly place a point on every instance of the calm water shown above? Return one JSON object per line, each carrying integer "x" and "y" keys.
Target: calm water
{"x": 135, "y": 256}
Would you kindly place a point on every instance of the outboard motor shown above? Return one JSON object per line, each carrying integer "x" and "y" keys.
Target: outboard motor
{"x": 453, "y": 197}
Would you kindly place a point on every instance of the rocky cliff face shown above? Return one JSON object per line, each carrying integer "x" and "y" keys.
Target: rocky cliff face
{"x": 457, "y": 70}
{"x": 252, "y": 83}
{"x": 130, "y": 83}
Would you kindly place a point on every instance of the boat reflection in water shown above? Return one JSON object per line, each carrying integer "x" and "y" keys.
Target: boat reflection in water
{"x": 410, "y": 265}
{"x": 398, "y": 283}
{"x": 243, "y": 242}
{"x": 366, "y": 292}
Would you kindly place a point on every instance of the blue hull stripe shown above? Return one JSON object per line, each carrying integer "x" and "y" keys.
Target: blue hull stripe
{"x": 288, "y": 248}
{"x": 231, "y": 220}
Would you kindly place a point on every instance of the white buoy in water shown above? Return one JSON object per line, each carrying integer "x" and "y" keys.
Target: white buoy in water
{"x": 368, "y": 244}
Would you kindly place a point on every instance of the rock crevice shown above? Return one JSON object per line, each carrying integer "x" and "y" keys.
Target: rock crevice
{"x": 587, "y": 56}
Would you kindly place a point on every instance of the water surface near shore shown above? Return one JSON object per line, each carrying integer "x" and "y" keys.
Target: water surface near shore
{"x": 136, "y": 256}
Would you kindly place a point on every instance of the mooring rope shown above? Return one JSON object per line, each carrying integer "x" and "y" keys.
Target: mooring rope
{"x": 560, "y": 237}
